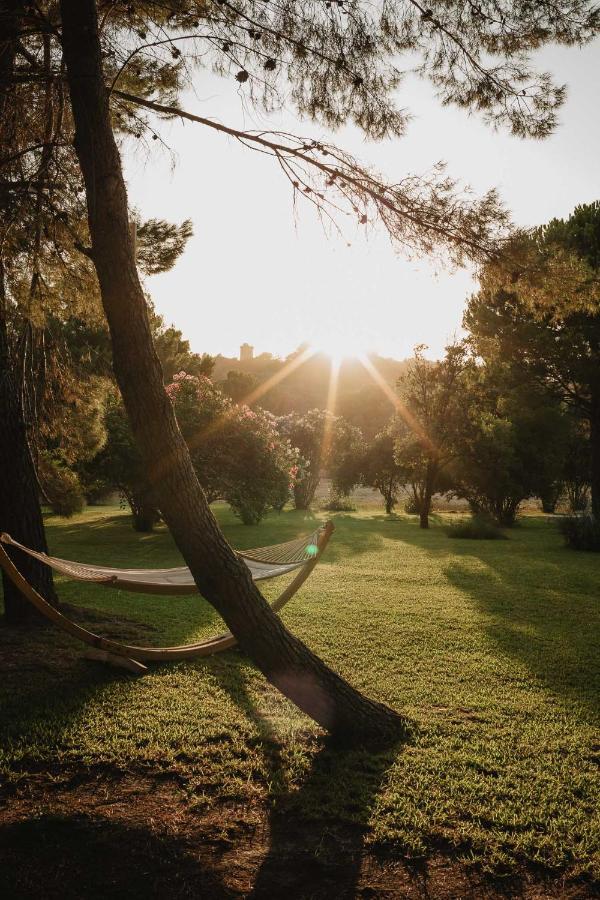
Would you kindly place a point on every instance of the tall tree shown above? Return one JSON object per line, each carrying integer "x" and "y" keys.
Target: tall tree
{"x": 429, "y": 399}
{"x": 544, "y": 317}
{"x": 380, "y": 469}
{"x": 509, "y": 440}
{"x": 46, "y": 278}
{"x": 325, "y": 441}
{"x": 20, "y": 512}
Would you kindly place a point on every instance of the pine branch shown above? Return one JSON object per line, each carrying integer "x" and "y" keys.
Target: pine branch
{"x": 423, "y": 213}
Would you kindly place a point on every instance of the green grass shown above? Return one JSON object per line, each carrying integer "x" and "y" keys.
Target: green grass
{"x": 489, "y": 647}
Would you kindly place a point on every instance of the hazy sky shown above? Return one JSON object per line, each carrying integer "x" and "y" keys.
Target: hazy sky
{"x": 254, "y": 271}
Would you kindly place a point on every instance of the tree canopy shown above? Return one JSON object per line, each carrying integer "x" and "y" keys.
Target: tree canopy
{"x": 334, "y": 63}
{"x": 550, "y": 332}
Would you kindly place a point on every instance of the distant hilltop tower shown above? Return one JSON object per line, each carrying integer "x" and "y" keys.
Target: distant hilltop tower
{"x": 246, "y": 353}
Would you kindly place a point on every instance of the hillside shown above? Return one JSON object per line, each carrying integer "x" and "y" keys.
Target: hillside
{"x": 307, "y": 386}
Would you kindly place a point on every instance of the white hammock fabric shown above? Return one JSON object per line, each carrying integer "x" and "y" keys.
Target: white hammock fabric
{"x": 263, "y": 562}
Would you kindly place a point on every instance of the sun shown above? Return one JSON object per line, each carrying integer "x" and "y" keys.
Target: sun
{"x": 339, "y": 346}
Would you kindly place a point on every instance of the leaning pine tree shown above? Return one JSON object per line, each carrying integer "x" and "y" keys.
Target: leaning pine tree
{"x": 336, "y": 59}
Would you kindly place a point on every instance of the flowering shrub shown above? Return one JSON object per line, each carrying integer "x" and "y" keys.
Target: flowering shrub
{"x": 323, "y": 441}
{"x": 237, "y": 452}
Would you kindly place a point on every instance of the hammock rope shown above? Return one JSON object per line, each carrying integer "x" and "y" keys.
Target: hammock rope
{"x": 306, "y": 551}
{"x": 263, "y": 562}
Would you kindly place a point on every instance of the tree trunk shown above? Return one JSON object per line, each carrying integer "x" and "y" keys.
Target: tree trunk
{"x": 425, "y": 507}
{"x": 595, "y": 455}
{"x": 20, "y": 513}
{"x": 305, "y": 490}
{"x": 220, "y": 575}
{"x": 387, "y": 489}
{"x": 144, "y": 512}
{"x": 550, "y": 496}
{"x": 144, "y": 520}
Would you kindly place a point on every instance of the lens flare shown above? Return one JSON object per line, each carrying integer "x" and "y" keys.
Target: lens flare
{"x": 339, "y": 346}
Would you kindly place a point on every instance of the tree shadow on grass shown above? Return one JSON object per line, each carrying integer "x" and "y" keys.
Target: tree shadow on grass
{"x": 555, "y": 632}
{"x": 317, "y": 825}
{"x": 537, "y": 603}
{"x": 352, "y": 537}
{"x": 356, "y": 535}
{"x": 178, "y": 620}
{"x": 75, "y": 856}
{"x": 89, "y": 542}
{"x": 44, "y": 685}
{"x": 109, "y": 540}
{"x": 318, "y": 829}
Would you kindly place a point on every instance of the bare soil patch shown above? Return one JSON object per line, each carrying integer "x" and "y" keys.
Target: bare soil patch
{"x": 99, "y": 832}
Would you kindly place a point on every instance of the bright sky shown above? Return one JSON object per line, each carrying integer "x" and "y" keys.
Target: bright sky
{"x": 256, "y": 272}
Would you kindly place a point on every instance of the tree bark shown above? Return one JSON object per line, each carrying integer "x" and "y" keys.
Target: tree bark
{"x": 144, "y": 514}
{"x": 595, "y": 454}
{"x": 305, "y": 490}
{"x": 20, "y": 512}
{"x": 425, "y": 507}
{"x": 220, "y": 575}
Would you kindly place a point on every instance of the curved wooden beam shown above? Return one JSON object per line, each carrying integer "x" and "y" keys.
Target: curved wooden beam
{"x": 150, "y": 654}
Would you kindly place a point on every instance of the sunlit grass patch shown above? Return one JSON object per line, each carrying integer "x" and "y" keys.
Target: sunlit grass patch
{"x": 489, "y": 647}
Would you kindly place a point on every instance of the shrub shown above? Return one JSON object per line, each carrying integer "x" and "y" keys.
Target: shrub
{"x": 412, "y": 506}
{"x": 322, "y": 440}
{"x": 95, "y": 490}
{"x": 581, "y": 532}
{"x": 118, "y": 467}
{"x": 237, "y": 452}
{"x": 380, "y": 470}
{"x": 335, "y": 502}
{"x": 62, "y": 488}
{"x": 249, "y": 511}
{"x": 550, "y": 496}
{"x": 479, "y": 528}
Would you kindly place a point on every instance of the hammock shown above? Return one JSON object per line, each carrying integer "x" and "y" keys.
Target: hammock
{"x": 263, "y": 562}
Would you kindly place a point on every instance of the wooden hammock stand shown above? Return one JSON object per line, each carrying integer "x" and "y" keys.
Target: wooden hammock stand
{"x": 132, "y": 657}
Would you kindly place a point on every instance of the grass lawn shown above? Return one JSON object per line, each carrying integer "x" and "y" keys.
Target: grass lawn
{"x": 489, "y": 647}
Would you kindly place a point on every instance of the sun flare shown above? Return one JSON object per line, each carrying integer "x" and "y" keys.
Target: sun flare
{"x": 339, "y": 347}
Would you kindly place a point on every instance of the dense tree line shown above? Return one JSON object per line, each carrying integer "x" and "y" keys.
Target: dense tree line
{"x": 511, "y": 412}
